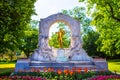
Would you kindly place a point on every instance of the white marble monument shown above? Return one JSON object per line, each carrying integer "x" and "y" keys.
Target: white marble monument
{"x": 45, "y": 53}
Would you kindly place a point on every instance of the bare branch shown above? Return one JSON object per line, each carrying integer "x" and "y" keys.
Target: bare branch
{"x": 112, "y": 13}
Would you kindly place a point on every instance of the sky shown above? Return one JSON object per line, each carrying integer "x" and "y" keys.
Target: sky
{"x": 45, "y": 8}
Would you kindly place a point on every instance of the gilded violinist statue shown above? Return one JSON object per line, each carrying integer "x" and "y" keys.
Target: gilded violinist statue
{"x": 60, "y": 33}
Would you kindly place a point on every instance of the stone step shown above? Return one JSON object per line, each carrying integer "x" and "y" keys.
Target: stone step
{"x": 62, "y": 65}
{"x": 67, "y": 66}
{"x": 60, "y": 62}
{"x": 70, "y": 63}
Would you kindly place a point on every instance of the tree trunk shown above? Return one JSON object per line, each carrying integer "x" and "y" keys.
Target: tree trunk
{"x": 1, "y": 56}
{"x": 27, "y": 54}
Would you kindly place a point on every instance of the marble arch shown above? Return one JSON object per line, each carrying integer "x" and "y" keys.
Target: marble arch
{"x": 46, "y": 23}
{"x": 44, "y": 52}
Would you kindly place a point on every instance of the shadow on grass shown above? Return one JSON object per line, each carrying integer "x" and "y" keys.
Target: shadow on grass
{"x": 3, "y": 70}
{"x": 12, "y": 62}
{"x": 6, "y": 71}
{"x": 117, "y": 63}
{"x": 114, "y": 60}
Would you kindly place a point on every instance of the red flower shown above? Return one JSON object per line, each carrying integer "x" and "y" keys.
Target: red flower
{"x": 94, "y": 69}
{"x": 71, "y": 72}
{"x": 45, "y": 70}
{"x": 74, "y": 69}
{"x": 66, "y": 72}
{"x": 52, "y": 69}
{"x": 49, "y": 69}
{"x": 38, "y": 70}
{"x": 32, "y": 69}
{"x": 85, "y": 69}
{"x": 79, "y": 70}
{"x": 59, "y": 71}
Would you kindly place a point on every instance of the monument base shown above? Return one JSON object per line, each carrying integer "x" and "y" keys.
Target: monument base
{"x": 61, "y": 56}
{"x": 27, "y": 65}
{"x": 22, "y": 65}
{"x": 81, "y": 58}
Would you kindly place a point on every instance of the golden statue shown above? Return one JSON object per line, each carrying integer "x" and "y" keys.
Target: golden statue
{"x": 60, "y": 33}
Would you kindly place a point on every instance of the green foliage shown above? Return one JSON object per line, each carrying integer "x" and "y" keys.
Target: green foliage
{"x": 89, "y": 45}
{"x": 11, "y": 54}
{"x": 14, "y": 15}
{"x": 53, "y": 41}
{"x": 6, "y": 71}
{"x": 106, "y": 18}
{"x": 29, "y": 40}
{"x": 89, "y": 35}
{"x": 79, "y": 14}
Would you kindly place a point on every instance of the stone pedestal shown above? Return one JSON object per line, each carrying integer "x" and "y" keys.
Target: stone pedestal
{"x": 61, "y": 56}
{"x": 22, "y": 64}
{"x": 101, "y": 64}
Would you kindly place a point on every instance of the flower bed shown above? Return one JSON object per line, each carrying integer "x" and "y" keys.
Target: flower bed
{"x": 59, "y": 74}
{"x": 51, "y": 74}
{"x": 21, "y": 78}
{"x": 110, "y": 77}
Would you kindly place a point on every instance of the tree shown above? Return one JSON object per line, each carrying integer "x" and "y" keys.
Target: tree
{"x": 79, "y": 14}
{"x": 11, "y": 54}
{"x": 105, "y": 15}
{"x": 53, "y": 41}
{"x": 30, "y": 39}
{"x": 14, "y": 16}
{"x": 89, "y": 34}
{"x": 89, "y": 44}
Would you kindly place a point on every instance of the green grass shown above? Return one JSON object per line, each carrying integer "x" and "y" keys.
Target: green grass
{"x": 114, "y": 65}
{"x": 6, "y": 67}
{"x": 6, "y": 71}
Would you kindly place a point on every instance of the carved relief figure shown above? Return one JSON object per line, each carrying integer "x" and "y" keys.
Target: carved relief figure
{"x": 77, "y": 46}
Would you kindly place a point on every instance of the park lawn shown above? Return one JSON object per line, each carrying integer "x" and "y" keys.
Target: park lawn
{"x": 7, "y": 67}
{"x": 3, "y": 70}
{"x": 114, "y": 65}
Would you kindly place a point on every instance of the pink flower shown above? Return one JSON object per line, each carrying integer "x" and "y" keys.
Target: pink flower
{"x": 105, "y": 77}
